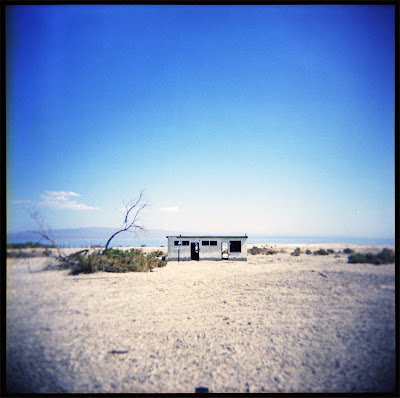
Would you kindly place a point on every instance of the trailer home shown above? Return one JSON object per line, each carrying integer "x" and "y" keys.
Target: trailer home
{"x": 186, "y": 248}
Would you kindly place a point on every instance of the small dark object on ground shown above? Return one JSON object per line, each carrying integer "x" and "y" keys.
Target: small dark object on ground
{"x": 348, "y": 251}
{"x": 117, "y": 352}
{"x": 201, "y": 390}
{"x": 308, "y": 251}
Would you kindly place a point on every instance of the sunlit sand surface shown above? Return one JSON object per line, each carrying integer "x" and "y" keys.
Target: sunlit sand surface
{"x": 275, "y": 323}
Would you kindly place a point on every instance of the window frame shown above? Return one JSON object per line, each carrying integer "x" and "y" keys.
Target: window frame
{"x": 235, "y": 243}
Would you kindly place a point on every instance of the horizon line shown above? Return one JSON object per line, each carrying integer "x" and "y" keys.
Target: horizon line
{"x": 257, "y": 234}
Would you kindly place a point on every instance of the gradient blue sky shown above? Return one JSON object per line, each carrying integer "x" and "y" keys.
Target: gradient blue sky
{"x": 257, "y": 119}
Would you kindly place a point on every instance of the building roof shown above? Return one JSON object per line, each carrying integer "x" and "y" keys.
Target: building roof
{"x": 206, "y": 236}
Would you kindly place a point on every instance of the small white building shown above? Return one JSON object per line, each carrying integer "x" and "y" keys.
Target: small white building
{"x": 184, "y": 248}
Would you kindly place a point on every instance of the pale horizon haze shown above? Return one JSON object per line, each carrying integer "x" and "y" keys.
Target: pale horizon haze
{"x": 271, "y": 119}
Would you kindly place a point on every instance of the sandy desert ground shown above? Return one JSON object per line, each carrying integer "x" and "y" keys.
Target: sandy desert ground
{"x": 272, "y": 324}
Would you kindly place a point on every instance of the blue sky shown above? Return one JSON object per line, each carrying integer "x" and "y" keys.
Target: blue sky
{"x": 257, "y": 119}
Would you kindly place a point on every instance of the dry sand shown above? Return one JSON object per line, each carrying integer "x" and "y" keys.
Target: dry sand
{"x": 272, "y": 324}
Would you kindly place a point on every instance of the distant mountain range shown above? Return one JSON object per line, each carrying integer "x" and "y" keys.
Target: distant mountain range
{"x": 91, "y": 232}
{"x": 95, "y": 233}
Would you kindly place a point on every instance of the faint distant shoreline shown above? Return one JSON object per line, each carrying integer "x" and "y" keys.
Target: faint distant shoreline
{"x": 87, "y": 237}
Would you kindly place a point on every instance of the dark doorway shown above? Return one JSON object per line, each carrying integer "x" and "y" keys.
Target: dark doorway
{"x": 194, "y": 246}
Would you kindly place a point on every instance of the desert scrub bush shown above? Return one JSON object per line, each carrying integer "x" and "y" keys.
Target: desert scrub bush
{"x": 115, "y": 260}
{"x": 263, "y": 250}
{"x": 359, "y": 258}
{"x": 385, "y": 256}
{"x": 255, "y": 250}
{"x": 308, "y": 251}
{"x": 296, "y": 252}
{"x": 321, "y": 252}
{"x": 348, "y": 251}
{"x": 330, "y": 251}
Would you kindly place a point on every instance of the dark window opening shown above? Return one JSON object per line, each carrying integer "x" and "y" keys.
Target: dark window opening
{"x": 236, "y": 246}
{"x": 177, "y": 243}
{"x": 205, "y": 243}
{"x": 213, "y": 243}
{"x": 185, "y": 243}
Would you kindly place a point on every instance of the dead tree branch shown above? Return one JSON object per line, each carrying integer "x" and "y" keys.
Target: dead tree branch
{"x": 65, "y": 261}
{"x": 46, "y": 234}
{"x": 131, "y": 219}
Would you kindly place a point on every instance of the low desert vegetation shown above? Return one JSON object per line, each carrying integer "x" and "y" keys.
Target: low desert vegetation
{"x": 261, "y": 250}
{"x": 18, "y": 250}
{"x": 114, "y": 260}
{"x": 296, "y": 252}
{"x": 348, "y": 251}
{"x": 385, "y": 256}
{"x": 254, "y": 250}
{"x": 321, "y": 252}
{"x": 28, "y": 245}
{"x": 107, "y": 259}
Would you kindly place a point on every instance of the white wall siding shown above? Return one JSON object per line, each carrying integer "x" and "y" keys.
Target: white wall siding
{"x": 178, "y": 253}
{"x": 206, "y": 252}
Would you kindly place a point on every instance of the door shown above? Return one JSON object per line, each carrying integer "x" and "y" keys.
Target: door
{"x": 194, "y": 249}
{"x": 224, "y": 251}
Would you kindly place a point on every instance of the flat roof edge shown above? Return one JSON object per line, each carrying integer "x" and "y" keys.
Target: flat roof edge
{"x": 207, "y": 236}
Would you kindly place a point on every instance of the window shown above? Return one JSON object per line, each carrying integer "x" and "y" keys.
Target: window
{"x": 185, "y": 243}
{"x": 236, "y": 246}
{"x": 205, "y": 243}
{"x": 213, "y": 243}
{"x": 177, "y": 243}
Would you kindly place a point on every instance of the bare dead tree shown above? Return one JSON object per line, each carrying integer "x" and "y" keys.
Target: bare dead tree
{"x": 131, "y": 219}
{"x": 67, "y": 261}
{"x": 45, "y": 233}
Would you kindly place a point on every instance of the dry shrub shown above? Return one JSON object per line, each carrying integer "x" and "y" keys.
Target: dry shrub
{"x": 254, "y": 250}
{"x": 385, "y": 256}
{"x": 296, "y": 252}
{"x": 115, "y": 260}
{"x": 321, "y": 252}
{"x": 263, "y": 250}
